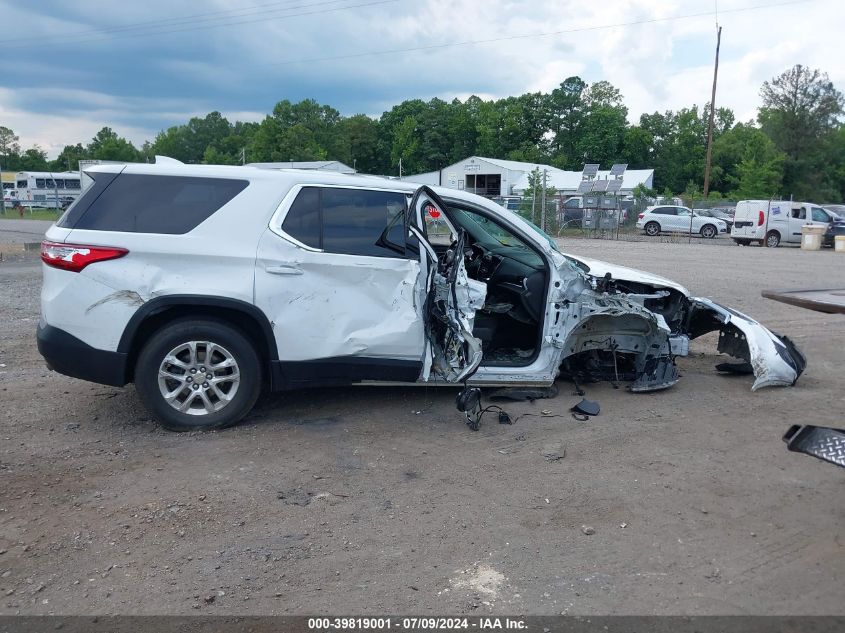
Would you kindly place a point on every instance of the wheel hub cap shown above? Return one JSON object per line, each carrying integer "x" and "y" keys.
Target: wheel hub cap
{"x": 198, "y": 377}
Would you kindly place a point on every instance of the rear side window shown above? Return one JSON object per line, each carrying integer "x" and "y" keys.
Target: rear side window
{"x": 664, "y": 211}
{"x": 137, "y": 203}
{"x": 303, "y": 219}
{"x": 349, "y": 221}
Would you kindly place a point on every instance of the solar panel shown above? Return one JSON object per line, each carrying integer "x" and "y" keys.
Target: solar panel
{"x": 614, "y": 186}
{"x": 618, "y": 169}
{"x": 600, "y": 185}
{"x": 590, "y": 169}
{"x": 585, "y": 186}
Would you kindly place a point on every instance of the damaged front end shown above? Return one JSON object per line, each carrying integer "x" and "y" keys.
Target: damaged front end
{"x": 631, "y": 328}
{"x": 774, "y": 360}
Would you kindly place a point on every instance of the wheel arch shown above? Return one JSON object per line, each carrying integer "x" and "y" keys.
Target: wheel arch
{"x": 156, "y": 313}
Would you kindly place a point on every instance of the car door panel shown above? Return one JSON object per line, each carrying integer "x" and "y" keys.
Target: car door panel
{"x": 326, "y": 305}
{"x": 451, "y": 300}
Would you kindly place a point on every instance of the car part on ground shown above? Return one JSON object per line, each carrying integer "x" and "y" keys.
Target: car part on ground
{"x": 821, "y": 442}
{"x": 586, "y": 407}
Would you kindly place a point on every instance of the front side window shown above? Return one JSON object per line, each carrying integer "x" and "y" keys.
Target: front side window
{"x": 349, "y": 221}
{"x": 664, "y": 211}
{"x": 21, "y": 184}
{"x": 819, "y": 215}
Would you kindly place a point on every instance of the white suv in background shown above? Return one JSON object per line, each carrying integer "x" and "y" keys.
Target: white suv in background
{"x": 673, "y": 219}
{"x": 205, "y": 284}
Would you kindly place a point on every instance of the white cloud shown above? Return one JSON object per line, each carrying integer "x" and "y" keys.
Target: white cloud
{"x": 243, "y": 69}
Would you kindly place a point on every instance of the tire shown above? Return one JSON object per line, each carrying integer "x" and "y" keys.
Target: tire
{"x": 652, "y": 229}
{"x": 708, "y": 231}
{"x": 174, "y": 356}
{"x": 772, "y": 239}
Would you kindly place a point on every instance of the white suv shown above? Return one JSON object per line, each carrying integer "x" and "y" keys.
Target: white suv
{"x": 673, "y": 219}
{"x": 205, "y": 284}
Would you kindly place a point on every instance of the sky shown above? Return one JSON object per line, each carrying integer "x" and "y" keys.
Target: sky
{"x": 70, "y": 68}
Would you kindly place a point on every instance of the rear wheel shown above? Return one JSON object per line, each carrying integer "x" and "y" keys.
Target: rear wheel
{"x": 708, "y": 231}
{"x": 198, "y": 375}
{"x": 772, "y": 239}
{"x": 652, "y": 229}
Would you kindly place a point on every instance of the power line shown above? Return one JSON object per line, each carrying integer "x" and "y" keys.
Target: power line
{"x": 533, "y": 35}
{"x": 161, "y": 22}
{"x": 58, "y": 41}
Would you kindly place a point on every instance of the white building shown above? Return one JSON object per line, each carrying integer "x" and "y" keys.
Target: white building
{"x": 496, "y": 177}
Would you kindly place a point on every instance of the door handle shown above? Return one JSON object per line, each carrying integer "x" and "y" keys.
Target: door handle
{"x": 284, "y": 269}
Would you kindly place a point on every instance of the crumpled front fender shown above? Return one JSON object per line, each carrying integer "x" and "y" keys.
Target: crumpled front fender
{"x": 774, "y": 359}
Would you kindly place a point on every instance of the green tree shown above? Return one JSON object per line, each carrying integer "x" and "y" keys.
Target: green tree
{"x": 800, "y": 112}
{"x": 68, "y": 159}
{"x": 33, "y": 159}
{"x": 759, "y": 172}
{"x": 361, "y": 134}
{"x": 107, "y": 145}
{"x": 565, "y": 115}
{"x": 8, "y": 145}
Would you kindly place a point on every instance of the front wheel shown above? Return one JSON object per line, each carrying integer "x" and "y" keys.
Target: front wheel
{"x": 198, "y": 375}
{"x": 652, "y": 229}
{"x": 708, "y": 231}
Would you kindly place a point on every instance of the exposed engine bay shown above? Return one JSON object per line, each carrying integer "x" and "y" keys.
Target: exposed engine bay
{"x": 605, "y": 323}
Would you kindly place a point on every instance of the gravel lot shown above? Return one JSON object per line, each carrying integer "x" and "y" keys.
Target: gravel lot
{"x": 380, "y": 500}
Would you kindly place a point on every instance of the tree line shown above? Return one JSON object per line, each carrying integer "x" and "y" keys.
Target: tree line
{"x": 796, "y": 145}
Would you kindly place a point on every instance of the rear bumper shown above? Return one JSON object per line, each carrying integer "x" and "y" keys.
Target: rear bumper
{"x": 68, "y": 355}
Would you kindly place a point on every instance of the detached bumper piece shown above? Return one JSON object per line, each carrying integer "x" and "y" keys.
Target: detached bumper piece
{"x": 821, "y": 442}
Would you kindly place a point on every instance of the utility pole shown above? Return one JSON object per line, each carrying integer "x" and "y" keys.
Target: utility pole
{"x": 400, "y": 169}
{"x": 543, "y": 203}
{"x": 243, "y": 156}
{"x": 534, "y": 199}
{"x": 712, "y": 116}
{"x": 2, "y": 195}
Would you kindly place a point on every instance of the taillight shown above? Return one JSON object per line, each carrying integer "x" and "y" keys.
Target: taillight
{"x": 761, "y": 219}
{"x": 75, "y": 257}
{"x": 641, "y": 216}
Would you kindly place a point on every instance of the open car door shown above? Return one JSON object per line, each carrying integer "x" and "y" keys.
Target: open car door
{"x": 450, "y": 298}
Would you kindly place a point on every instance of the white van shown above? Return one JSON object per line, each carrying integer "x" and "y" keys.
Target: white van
{"x": 771, "y": 222}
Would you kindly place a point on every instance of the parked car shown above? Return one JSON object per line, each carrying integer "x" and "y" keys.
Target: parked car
{"x": 719, "y": 213}
{"x": 837, "y": 209}
{"x": 675, "y": 219}
{"x": 770, "y": 222}
{"x": 205, "y": 284}
{"x": 836, "y": 227}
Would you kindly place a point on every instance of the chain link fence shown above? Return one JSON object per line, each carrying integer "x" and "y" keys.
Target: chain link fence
{"x": 619, "y": 223}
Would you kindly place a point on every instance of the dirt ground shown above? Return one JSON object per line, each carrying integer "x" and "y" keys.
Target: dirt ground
{"x": 381, "y": 500}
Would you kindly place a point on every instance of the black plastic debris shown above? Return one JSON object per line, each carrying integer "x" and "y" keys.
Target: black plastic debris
{"x": 822, "y": 442}
{"x": 740, "y": 369}
{"x": 521, "y": 394}
{"x": 584, "y": 409}
{"x": 468, "y": 399}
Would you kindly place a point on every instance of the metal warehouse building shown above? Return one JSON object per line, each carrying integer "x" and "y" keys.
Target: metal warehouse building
{"x": 496, "y": 177}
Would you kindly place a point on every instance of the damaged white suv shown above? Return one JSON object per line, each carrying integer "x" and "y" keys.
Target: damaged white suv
{"x": 205, "y": 284}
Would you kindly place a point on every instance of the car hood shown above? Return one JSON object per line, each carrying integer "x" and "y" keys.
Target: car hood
{"x": 599, "y": 268}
